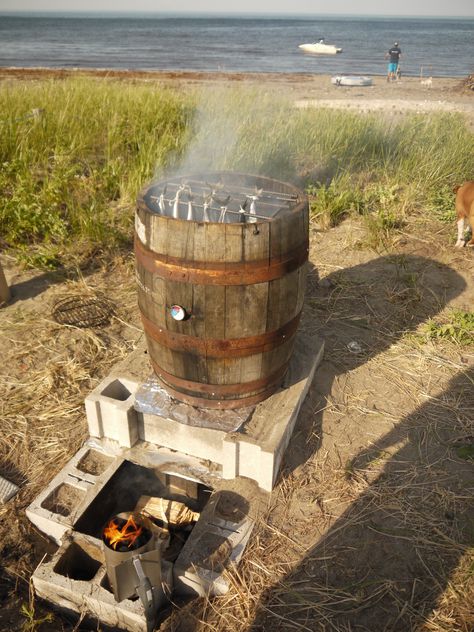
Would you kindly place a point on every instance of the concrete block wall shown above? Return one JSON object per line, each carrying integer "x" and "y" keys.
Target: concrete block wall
{"x": 75, "y": 579}
{"x": 60, "y": 505}
{"x": 215, "y": 543}
{"x": 110, "y": 412}
{"x": 255, "y": 453}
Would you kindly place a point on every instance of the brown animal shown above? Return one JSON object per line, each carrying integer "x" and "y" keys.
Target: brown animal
{"x": 465, "y": 212}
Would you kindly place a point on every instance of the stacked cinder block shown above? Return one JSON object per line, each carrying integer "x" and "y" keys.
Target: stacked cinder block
{"x": 255, "y": 451}
{"x": 75, "y": 579}
{"x": 61, "y": 504}
{"x": 217, "y": 542}
{"x": 110, "y": 411}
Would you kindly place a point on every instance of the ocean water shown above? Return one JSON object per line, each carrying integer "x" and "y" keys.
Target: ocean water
{"x": 443, "y": 47}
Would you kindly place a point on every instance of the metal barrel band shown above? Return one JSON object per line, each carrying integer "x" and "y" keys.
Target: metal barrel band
{"x": 215, "y": 273}
{"x": 219, "y": 404}
{"x": 221, "y": 348}
{"x": 220, "y": 391}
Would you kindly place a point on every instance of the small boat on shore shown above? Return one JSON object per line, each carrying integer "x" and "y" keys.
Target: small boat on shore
{"x": 320, "y": 48}
{"x": 351, "y": 80}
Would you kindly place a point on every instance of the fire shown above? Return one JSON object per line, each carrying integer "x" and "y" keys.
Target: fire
{"x": 126, "y": 534}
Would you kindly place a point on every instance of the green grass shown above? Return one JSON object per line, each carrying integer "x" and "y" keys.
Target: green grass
{"x": 69, "y": 177}
{"x": 459, "y": 328}
{"x": 72, "y": 174}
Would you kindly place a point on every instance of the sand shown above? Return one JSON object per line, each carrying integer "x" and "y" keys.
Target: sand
{"x": 408, "y": 94}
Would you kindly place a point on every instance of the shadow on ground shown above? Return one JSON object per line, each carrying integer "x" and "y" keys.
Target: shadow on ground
{"x": 385, "y": 562}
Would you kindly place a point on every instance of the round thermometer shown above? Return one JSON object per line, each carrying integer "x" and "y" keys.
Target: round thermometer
{"x": 177, "y": 312}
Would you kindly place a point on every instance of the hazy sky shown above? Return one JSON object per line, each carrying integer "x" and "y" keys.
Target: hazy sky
{"x": 351, "y": 7}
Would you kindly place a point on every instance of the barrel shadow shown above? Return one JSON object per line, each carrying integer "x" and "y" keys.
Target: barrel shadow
{"x": 360, "y": 312}
{"x": 384, "y": 563}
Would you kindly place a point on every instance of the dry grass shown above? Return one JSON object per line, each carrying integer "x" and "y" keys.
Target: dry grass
{"x": 370, "y": 526}
{"x": 42, "y": 414}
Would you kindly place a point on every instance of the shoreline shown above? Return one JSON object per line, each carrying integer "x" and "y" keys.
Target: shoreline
{"x": 447, "y": 94}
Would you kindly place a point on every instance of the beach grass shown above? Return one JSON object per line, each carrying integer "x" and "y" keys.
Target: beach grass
{"x": 75, "y": 153}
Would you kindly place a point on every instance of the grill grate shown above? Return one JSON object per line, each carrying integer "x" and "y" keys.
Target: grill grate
{"x": 224, "y": 201}
{"x": 83, "y": 311}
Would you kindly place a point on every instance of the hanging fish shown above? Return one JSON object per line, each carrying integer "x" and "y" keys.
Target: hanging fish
{"x": 223, "y": 214}
{"x": 243, "y": 212}
{"x": 253, "y": 208}
{"x": 207, "y": 203}
{"x": 175, "y": 212}
{"x": 190, "y": 216}
{"x": 161, "y": 202}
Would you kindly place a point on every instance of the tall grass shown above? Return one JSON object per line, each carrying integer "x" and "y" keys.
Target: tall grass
{"x": 69, "y": 176}
{"x": 72, "y": 172}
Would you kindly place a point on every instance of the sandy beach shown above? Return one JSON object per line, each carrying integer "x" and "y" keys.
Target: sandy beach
{"x": 408, "y": 94}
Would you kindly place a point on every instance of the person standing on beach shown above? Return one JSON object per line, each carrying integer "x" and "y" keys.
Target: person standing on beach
{"x": 394, "y": 55}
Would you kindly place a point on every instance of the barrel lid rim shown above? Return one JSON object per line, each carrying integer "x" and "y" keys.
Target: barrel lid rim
{"x": 300, "y": 203}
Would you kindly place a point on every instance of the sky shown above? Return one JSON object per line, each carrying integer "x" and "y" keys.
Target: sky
{"x": 341, "y": 7}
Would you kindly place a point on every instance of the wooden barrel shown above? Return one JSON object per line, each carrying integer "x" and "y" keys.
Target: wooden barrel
{"x": 4, "y": 289}
{"x": 221, "y": 293}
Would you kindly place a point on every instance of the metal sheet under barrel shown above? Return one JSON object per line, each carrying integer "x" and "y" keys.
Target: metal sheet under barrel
{"x": 221, "y": 275}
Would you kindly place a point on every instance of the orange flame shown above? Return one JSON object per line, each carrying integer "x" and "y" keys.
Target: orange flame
{"x": 126, "y": 534}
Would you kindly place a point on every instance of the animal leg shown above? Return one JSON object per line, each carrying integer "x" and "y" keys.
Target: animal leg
{"x": 460, "y": 241}
{"x": 470, "y": 243}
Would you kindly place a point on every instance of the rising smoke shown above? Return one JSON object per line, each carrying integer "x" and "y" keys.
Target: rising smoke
{"x": 234, "y": 129}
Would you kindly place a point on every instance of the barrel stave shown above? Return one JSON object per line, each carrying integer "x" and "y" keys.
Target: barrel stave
{"x": 242, "y": 286}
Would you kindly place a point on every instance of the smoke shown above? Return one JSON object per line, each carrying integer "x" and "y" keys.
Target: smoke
{"x": 233, "y": 129}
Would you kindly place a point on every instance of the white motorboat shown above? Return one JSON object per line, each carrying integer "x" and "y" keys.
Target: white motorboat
{"x": 320, "y": 48}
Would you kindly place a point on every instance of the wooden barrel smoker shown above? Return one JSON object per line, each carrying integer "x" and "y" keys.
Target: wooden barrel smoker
{"x": 221, "y": 265}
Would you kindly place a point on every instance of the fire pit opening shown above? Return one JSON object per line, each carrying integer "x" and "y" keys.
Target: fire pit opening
{"x": 76, "y": 563}
{"x": 132, "y": 483}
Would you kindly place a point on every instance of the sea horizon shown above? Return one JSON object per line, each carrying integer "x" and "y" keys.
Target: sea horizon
{"x": 203, "y": 42}
{"x": 231, "y": 14}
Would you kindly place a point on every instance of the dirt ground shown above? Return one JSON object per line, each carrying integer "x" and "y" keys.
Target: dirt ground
{"x": 371, "y": 525}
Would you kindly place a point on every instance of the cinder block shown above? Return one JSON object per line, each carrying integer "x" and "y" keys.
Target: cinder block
{"x": 75, "y": 579}
{"x": 61, "y": 504}
{"x": 7, "y": 490}
{"x": 203, "y": 443}
{"x": 257, "y": 453}
{"x": 110, "y": 412}
{"x": 245, "y": 457}
{"x": 254, "y": 451}
{"x": 217, "y": 541}
{"x": 230, "y": 457}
